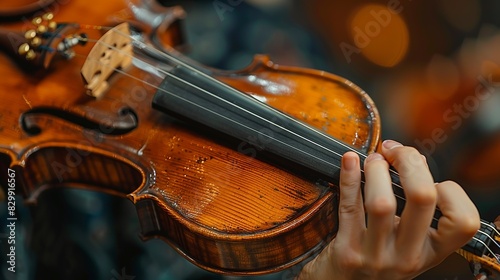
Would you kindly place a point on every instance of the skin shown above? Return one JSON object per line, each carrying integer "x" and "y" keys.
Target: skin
{"x": 386, "y": 246}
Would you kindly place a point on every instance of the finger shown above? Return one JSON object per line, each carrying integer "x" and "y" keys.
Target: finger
{"x": 380, "y": 204}
{"x": 421, "y": 195}
{"x": 351, "y": 212}
{"x": 460, "y": 219}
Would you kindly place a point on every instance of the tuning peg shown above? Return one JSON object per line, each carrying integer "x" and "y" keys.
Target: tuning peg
{"x": 30, "y": 55}
{"x": 26, "y": 51}
{"x": 37, "y": 21}
{"x": 41, "y": 29}
{"x": 23, "y": 49}
{"x": 36, "y": 42}
{"x": 48, "y": 16}
{"x": 30, "y": 34}
{"x": 52, "y": 25}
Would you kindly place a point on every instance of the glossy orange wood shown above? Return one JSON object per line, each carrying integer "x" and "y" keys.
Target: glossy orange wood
{"x": 226, "y": 210}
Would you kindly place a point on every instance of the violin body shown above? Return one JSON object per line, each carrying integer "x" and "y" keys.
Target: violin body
{"x": 224, "y": 204}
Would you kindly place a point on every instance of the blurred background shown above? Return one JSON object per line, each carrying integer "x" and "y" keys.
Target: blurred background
{"x": 430, "y": 66}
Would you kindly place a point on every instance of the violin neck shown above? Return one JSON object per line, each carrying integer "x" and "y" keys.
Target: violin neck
{"x": 483, "y": 252}
{"x": 483, "y": 240}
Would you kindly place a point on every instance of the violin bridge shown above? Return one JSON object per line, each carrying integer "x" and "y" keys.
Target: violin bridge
{"x": 111, "y": 52}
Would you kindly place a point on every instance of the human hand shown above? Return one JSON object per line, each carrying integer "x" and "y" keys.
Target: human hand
{"x": 386, "y": 246}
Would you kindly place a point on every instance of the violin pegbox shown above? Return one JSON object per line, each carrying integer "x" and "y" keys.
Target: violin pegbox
{"x": 112, "y": 51}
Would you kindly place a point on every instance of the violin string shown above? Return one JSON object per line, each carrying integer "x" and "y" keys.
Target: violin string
{"x": 237, "y": 123}
{"x": 492, "y": 227}
{"x": 256, "y": 131}
{"x": 240, "y": 124}
{"x": 213, "y": 112}
{"x": 488, "y": 248}
{"x": 180, "y": 62}
{"x": 310, "y": 155}
{"x": 190, "y": 67}
{"x": 175, "y": 60}
{"x": 489, "y": 237}
{"x": 231, "y": 104}
{"x": 220, "y": 115}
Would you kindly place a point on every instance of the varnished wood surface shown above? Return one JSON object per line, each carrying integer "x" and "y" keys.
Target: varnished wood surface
{"x": 226, "y": 211}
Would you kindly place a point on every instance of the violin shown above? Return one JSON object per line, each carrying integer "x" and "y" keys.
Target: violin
{"x": 237, "y": 170}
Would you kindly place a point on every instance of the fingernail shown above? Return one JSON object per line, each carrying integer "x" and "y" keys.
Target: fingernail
{"x": 349, "y": 162}
{"x": 374, "y": 156}
{"x": 389, "y": 144}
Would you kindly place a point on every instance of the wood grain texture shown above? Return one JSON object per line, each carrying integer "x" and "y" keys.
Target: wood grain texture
{"x": 227, "y": 210}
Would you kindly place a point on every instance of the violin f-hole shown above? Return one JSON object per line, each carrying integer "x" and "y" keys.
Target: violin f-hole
{"x": 124, "y": 122}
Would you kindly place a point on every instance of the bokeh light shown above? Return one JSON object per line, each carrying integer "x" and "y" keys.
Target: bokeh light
{"x": 380, "y": 34}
